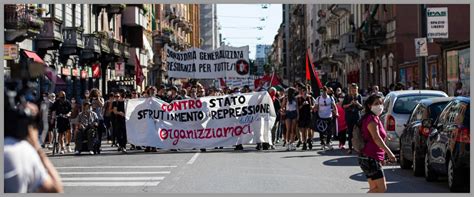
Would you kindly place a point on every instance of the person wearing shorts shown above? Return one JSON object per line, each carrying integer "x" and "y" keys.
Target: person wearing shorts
{"x": 291, "y": 117}
{"x": 305, "y": 103}
{"x": 372, "y": 156}
{"x": 62, "y": 109}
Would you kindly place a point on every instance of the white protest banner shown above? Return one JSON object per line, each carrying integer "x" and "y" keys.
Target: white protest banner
{"x": 421, "y": 47}
{"x": 437, "y": 21}
{"x": 196, "y": 63}
{"x": 119, "y": 69}
{"x": 207, "y": 122}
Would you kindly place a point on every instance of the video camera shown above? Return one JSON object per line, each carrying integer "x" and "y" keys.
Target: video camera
{"x": 18, "y": 117}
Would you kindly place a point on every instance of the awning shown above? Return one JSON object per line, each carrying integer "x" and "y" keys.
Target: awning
{"x": 51, "y": 74}
{"x": 34, "y": 56}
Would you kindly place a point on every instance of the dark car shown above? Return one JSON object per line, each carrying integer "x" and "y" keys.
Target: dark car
{"x": 448, "y": 146}
{"x": 413, "y": 138}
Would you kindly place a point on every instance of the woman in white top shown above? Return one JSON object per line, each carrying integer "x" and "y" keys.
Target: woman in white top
{"x": 290, "y": 109}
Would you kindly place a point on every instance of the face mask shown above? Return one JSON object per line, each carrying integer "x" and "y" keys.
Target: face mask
{"x": 341, "y": 99}
{"x": 73, "y": 101}
{"x": 45, "y": 98}
{"x": 377, "y": 109}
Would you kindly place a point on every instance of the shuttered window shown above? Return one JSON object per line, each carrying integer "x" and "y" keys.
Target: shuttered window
{"x": 68, "y": 16}
{"x": 58, "y": 11}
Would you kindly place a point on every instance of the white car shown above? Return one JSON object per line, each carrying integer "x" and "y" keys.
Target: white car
{"x": 398, "y": 106}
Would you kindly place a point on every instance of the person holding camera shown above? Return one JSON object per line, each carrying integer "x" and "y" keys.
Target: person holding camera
{"x": 61, "y": 111}
{"x": 27, "y": 169}
{"x": 87, "y": 120}
{"x": 352, "y": 105}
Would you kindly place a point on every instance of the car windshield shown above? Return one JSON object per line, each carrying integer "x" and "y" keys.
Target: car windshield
{"x": 436, "y": 109}
{"x": 406, "y": 104}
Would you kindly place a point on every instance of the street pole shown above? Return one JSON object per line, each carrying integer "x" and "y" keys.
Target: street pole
{"x": 423, "y": 59}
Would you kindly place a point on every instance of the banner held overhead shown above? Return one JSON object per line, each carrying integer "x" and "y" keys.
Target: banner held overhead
{"x": 224, "y": 62}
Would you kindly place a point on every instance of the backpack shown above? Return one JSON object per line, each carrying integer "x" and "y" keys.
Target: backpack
{"x": 358, "y": 142}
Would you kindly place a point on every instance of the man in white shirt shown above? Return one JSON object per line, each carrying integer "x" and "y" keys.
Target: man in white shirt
{"x": 327, "y": 110}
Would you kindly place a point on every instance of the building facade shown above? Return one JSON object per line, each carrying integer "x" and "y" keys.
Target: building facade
{"x": 261, "y": 58}
{"x": 209, "y": 27}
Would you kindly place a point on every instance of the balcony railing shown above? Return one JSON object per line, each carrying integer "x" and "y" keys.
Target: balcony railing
{"x": 321, "y": 26}
{"x": 125, "y": 50}
{"x": 73, "y": 37}
{"x": 20, "y": 17}
{"x": 348, "y": 43}
{"x": 91, "y": 43}
{"x": 104, "y": 42}
{"x": 114, "y": 47}
{"x": 115, "y": 8}
{"x": 51, "y": 35}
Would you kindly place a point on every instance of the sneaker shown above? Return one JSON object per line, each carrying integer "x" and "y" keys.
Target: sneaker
{"x": 288, "y": 148}
{"x": 147, "y": 149}
{"x": 124, "y": 150}
{"x": 310, "y": 145}
{"x": 153, "y": 150}
{"x": 203, "y": 150}
{"x": 91, "y": 152}
{"x": 304, "y": 147}
{"x": 284, "y": 144}
{"x": 298, "y": 145}
{"x": 61, "y": 152}
{"x": 294, "y": 146}
{"x": 77, "y": 152}
{"x": 68, "y": 149}
{"x": 323, "y": 147}
{"x": 221, "y": 147}
{"x": 272, "y": 147}
{"x": 49, "y": 146}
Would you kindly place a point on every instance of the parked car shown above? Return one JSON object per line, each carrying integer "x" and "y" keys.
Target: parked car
{"x": 448, "y": 146}
{"x": 398, "y": 106}
{"x": 413, "y": 138}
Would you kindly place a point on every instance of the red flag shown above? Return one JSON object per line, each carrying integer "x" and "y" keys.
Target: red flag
{"x": 222, "y": 82}
{"x": 96, "y": 71}
{"x": 138, "y": 71}
{"x": 308, "y": 76}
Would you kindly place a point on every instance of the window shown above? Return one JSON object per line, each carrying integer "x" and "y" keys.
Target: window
{"x": 442, "y": 118}
{"x": 68, "y": 17}
{"x": 78, "y": 22}
{"x": 406, "y": 104}
{"x": 436, "y": 109}
{"x": 58, "y": 11}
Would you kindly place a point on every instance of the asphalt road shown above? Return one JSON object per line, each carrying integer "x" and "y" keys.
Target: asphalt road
{"x": 228, "y": 171}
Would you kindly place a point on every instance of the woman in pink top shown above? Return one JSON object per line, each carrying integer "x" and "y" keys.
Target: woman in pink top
{"x": 372, "y": 156}
{"x": 341, "y": 123}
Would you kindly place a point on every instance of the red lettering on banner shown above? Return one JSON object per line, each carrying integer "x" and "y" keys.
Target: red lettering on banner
{"x": 163, "y": 134}
{"x": 191, "y": 104}
{"x": 237, "y": 132}
{"x": 209, "y": 134}
{"x": 199, "y": 104}
{"x": 201, "y": 136}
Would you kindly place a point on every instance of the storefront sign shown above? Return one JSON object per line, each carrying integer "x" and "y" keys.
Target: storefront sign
{"x": 75, "y": 72}
{"x": 421, "y": 47}
{"x": 119, "y": 69}
{"x": 89, "y": 72}
{"x": 84, "y": 74}
{"x": 96, "y": 71}
{"x": 66, "y": 71}
{"x": 10, "y": 52}
{"x": 437, "y": 21}
{"x": 223, "y": 62}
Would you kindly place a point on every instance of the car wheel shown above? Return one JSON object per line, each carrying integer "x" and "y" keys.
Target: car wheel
{"x": 404, "y": 164}
{"x": 454, "y": 178}
{"x": 418, "y": 164}
{"x": 430, "y": 175}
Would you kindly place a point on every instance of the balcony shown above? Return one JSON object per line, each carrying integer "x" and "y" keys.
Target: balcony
{"x": 114, "y": 47}
{"x": 51, "y": 36}
{"x": 125, "y": 50}
{"x": 104, "y": 42}
{"x": 181, "y": 22}
{"x": 347, "y": 43}
{"x": 21, "y": 23}
{"x": 371, "y": 36}
{"x": 72, "y": 40}
{"x": 91, "y": 46}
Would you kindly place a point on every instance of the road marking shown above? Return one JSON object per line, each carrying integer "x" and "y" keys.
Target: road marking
{"x": 110, "y": 184}
{"x": 191, "y": 161}
{"x": 162, "y": 172}
{"x": 113, "y": 179}
{"x": 95, "y": 167}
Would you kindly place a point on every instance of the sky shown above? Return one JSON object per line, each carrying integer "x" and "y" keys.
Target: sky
{"x": 240, "y": 24}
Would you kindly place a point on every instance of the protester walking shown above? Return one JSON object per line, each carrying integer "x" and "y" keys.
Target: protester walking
{"x": 290, "y": 107}
{"x": 75, "y": 110}
{"x": 97, "y": 105}
{"x": 61, "y": 110}
{"x": 119, "y": 111}
{"x": 352, "y": 105}
{"x": 108, "y": 117}
{"x": 151, "y": 92}
{"x": 371, "y": 158}
{"x": 327, "y": 111}
{"x": 305, "y": 104}
{"x": 276, "y": 104}
{"x": 341, "y": 123}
